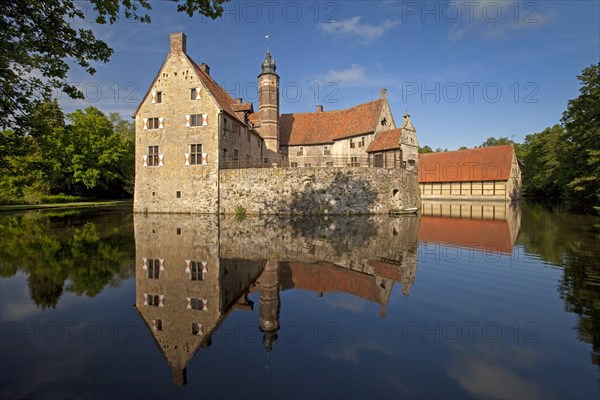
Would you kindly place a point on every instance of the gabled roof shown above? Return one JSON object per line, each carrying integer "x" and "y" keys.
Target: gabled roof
{"x": 327, "y": 126}
{"x": 386, "y": 140}
{"x": 223, "y": 99}
{"x": 481, "y": 164}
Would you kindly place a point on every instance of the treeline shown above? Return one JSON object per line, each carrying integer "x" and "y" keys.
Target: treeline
{"x": 82, "y": 155}
{"x": 563, "y": 161}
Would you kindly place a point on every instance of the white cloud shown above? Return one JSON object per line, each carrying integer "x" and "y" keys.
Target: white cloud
{"x": 354, "y": 74}
{"x": 352, "y": 27}
{"x": 495, "y": 18}
{"x": 352, "y": 352}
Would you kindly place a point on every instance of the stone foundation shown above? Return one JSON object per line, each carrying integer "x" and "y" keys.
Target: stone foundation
{"x": 317, "y": 190}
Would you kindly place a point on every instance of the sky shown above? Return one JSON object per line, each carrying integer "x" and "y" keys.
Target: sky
{"x": 464, "y": 70}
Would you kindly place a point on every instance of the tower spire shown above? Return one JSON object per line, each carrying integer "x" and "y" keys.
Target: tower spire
{"x": 268, "y": 44}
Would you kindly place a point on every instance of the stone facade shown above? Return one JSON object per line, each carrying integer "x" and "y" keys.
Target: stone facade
{"x": 317, "y": 190}
{"x": 190, "y": 132}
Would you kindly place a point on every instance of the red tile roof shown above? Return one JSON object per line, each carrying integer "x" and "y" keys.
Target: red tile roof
{"x": 223, "y": 99}
{"x": 254, "y": 118}
{"x": 327, "y": 126}
{"x": 488, "y": 235}
{"x": 237, "y": 107}
{"x": 325, "y": 277}
{"x": 386, "y": 140}
{"x": 481, "y": 164}
{"x": 386, "y": 270}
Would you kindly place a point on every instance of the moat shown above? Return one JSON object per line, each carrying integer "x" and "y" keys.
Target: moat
{"x": 462, "y": 301}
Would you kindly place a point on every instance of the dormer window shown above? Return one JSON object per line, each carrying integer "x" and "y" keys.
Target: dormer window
{"x": 383, "y": 121}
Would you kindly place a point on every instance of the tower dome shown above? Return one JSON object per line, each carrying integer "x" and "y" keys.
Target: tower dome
{"x": 269, "y": 66}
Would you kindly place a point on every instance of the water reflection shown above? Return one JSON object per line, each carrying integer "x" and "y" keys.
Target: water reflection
{"x": 66, "y": 250}
{"x": 198, "y": 279}
{"x": 192, "y": 271}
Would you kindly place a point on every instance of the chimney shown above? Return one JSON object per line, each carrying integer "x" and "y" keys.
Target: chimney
{"x": 239, "y": 100}
{"x": 177, "y": 42}
{"x": 205, "y": 68}
{"x": 319, "y": 108}
{"x": 383, "y": 93}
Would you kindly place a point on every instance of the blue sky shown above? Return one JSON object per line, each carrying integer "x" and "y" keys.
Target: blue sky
{"x": 465, "y": 70}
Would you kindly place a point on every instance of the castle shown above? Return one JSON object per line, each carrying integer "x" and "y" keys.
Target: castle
{"x": 190, "y": 131}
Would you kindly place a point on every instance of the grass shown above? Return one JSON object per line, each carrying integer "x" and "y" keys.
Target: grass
{"x": 78, "y": 204}
{"x": 240, "y": 213}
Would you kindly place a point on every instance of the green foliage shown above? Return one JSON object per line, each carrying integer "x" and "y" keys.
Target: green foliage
{"x": 543, "y": 170}
{"x": 582, "y": 144}
{"x": 37, "y": 39}
{"x": 425, "y": 149}
{"x": 564, "y": 161}
{"x": 240, "y": 213}
{"x": 60, "y": 198}
{"x": 492, "y": 141}
{"x": 92, "y": 156}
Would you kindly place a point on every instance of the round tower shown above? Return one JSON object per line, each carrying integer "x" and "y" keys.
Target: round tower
{"x": 268, "y": 105}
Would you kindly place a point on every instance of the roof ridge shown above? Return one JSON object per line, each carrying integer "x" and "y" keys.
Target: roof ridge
{"x": 334, "y": 111}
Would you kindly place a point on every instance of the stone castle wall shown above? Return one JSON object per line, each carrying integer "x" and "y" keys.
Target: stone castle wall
{"x": 317, "y": 190}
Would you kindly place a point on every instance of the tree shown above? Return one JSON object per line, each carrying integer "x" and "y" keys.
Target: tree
{"x": 425, "y": 149}
{"x": 37, "y": 39}
{"x": 582, "y": 123}
{"x": 492, "y": 141}
{"x": 544, "y": 169}
{"x": 97, "y": 160}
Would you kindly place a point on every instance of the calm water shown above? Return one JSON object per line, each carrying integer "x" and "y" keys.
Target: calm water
{"x": 461, "y": 302}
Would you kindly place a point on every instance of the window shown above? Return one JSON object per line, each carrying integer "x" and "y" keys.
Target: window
{"x": 329, "y": 164}
{"x": 354, "y": 162}
{"x": 352, "y": 144}
{"x": 294, "y": 165}
{"x": 362, "y": 142}
{"x": 378, "y": 160}
{"x": 307, "y": 165}
{"x": 300, "y": 151}
{"x": 197, "y": 120}
{"x": 158, "y": 97}
{"x": 224, "y": 154}
{"x": 196, "y": 271}
{"x": 153, "y": 123}
{"x": 326, "y": 151}
{"x": 196, "y": 328}
{"x": 179, "y": 231}
{"x": 266, "y": 160}
{"x": 248, "y": 133}
{"x": 158, "y": 324}
{"x": 194, "y": 94}
{"x": 197, "y": 304}
{"x": 236, "y": 154}
{"x": 153, "y": 300}
{"x": 153, "y": 268}
{"x": 178, "y": 194}
{"x": 195, "y": 154}
{"x": 152, "y": 156}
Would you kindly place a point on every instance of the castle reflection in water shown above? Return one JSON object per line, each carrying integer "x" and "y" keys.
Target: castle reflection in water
{"x": 193, "y": 270}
